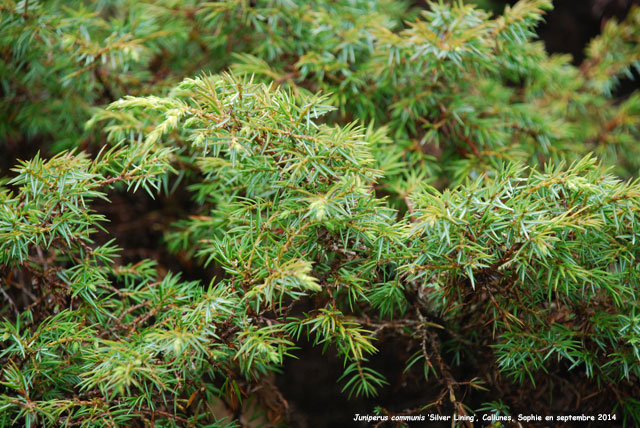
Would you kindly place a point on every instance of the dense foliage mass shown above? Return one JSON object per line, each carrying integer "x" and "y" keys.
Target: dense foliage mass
{"x": 368, "y": 179}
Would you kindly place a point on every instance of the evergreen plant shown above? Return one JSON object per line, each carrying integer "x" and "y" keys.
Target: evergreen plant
{"x": 373, "y": 181}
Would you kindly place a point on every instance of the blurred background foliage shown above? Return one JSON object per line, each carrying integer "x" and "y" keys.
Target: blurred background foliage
{"x": 61, "y": 61}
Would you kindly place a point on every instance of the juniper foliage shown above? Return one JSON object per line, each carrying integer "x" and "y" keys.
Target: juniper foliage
{"x": 363, "y": 175}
